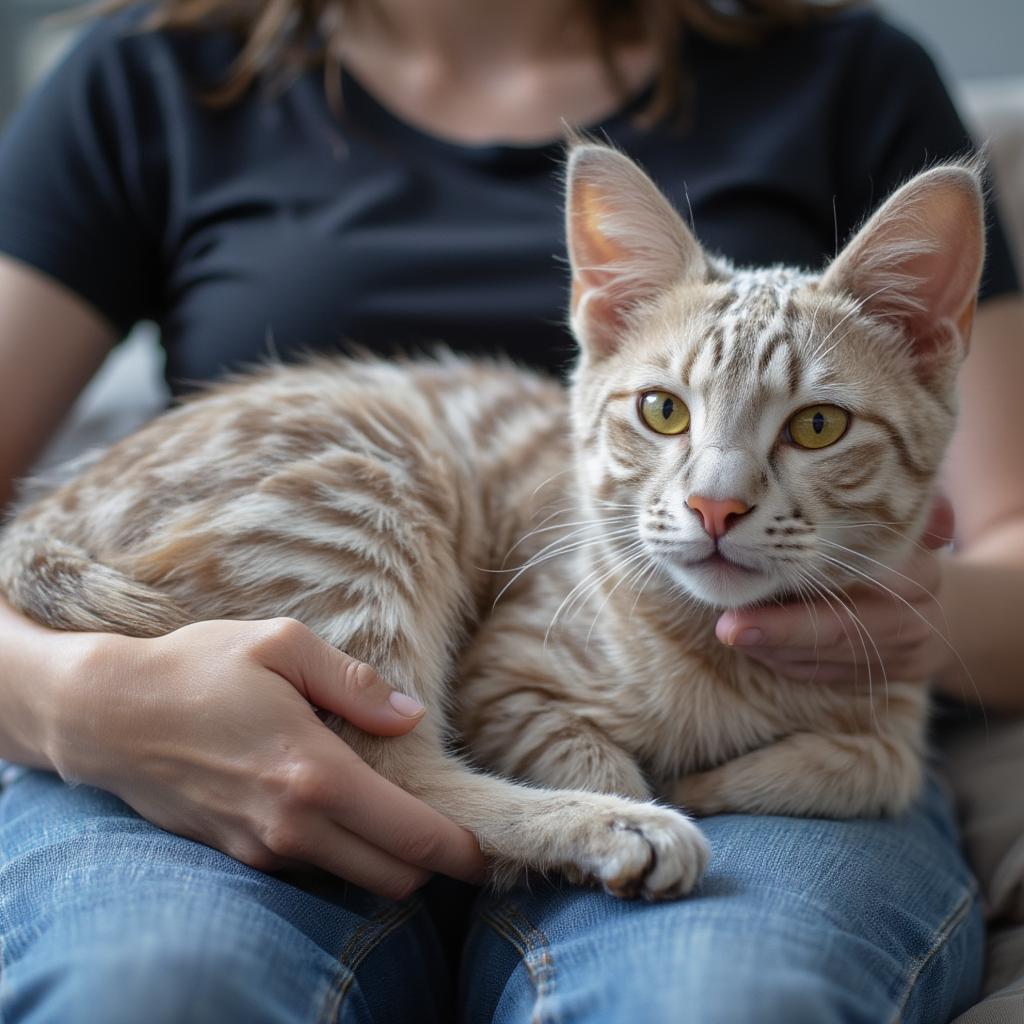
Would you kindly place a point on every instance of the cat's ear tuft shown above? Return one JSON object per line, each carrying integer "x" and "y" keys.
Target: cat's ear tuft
{"x": 917, "y": 262}
{"x": 626, "y": 243}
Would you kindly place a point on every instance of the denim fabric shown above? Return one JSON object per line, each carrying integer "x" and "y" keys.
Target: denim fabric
{"x": 106, "y": 919}
{"x": 798, "y": 921}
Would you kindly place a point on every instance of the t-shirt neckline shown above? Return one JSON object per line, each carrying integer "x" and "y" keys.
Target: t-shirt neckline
{"x": 372, "y": 113}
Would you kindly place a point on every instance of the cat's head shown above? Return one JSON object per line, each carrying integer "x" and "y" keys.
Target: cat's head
{"x": 763, "y": 432}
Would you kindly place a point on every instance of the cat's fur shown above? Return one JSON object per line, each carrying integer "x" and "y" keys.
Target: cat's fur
{"x": 387, "y": 505}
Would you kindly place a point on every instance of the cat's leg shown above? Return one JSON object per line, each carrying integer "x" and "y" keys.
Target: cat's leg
{"x": 629, "y": 847}
{"x": 827, "y": 774}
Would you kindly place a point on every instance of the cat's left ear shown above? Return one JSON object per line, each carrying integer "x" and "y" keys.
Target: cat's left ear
{"x": 917, "y": 262}
{"x": 627, "y": 245}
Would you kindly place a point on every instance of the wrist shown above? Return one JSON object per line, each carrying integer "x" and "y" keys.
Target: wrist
{"x": 71, "y": 703}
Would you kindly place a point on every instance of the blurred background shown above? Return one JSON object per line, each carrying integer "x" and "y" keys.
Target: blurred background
{"x": 978, "y": 44}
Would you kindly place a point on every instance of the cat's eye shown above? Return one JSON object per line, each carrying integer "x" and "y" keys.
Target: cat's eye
{"x": 664, "y": 412}
{"x": 818, "y": 426}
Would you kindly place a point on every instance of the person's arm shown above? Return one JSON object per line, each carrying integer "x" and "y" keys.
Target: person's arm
{"x": 973, "y": 644}
{"x": 51, "y": 343}
{"x": 983, "y": 583}
{"x": 209, "y": 731}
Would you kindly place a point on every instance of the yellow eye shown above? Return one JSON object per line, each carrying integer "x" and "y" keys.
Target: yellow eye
{"x": 664, "y": 412}
{"x": 818, "y": 426}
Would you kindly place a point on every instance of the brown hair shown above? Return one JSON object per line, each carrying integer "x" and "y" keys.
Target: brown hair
{"x": 283, "y": 37}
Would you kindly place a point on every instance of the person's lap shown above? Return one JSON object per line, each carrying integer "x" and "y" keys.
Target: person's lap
{"x": 104, "y": 917}
{"x": 797, "y": 921}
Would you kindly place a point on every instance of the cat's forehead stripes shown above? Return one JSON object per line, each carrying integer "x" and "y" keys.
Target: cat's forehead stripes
{"x": 751, "y": 325}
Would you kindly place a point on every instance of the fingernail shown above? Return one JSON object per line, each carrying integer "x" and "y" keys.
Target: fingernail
{"x": 405, "y": 706}
{"x": 748, "y": 638}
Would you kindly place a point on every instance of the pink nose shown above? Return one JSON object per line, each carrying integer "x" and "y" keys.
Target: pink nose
{"x": 718, "y": 516}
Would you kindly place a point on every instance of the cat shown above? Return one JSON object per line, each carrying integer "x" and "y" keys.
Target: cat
{"x": 543, "y": 567}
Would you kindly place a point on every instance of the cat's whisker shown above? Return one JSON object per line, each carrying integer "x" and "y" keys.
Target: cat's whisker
{"x": 642, "y": 586}
{"x": 582, "y": 523}
{"x": 843, "y": 524}
{"x": 549, "y": 549}
{"x": 858, "y": 306}
{"x": 884, "y": 526}
{"x": 642, "y": 557}
{"x": 801, "y": 584}
{"x": 583, "y": 586}
{"x": 826, "y": 592}
{"x": 814, "y": 318}
{"x": 576, "y": 545}
{"x": 889, "y": 568}
{"x": 544, "y": 483}
{"x": 923, "y": 618}
{"x": 863, "y": 631}
{"x": 626, "y": 558}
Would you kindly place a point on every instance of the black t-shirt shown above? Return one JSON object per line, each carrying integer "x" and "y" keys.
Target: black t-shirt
{"x": 273, "y": 225}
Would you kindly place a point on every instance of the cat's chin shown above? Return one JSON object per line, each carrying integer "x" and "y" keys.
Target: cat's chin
{"x": 723, "y": 583}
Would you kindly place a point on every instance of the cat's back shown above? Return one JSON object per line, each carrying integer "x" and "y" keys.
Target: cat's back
{"x": 287, "y": 453}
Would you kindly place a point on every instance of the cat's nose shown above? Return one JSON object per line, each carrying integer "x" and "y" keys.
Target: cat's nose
{"x": 719, "y": 516}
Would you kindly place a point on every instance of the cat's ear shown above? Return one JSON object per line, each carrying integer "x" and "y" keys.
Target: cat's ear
{"x": 627, "y": 245}
{"x": 917, "y": 262}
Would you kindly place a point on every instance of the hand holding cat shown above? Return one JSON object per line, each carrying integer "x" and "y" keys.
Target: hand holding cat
{"x": 210, "y": 732}
{"x": 896, "y": 631}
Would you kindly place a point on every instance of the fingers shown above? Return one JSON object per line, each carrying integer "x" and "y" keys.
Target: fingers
{"x": 785, "y": 626}
{"x": 835, "y": 644}
{"x": 939, "y": 531}
{"x": 821, "y": 671}
{"x": 326, "y": 845}
{"x": 332, "y": 680}
{"x": 350, "y": 793}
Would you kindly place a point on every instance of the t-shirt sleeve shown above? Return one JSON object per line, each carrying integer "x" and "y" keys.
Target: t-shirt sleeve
{"x": 78, "y": 185}
{"x": 902, "y": 120}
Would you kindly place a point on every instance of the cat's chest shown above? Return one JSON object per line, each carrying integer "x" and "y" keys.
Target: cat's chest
{"x": 685, "y": 709}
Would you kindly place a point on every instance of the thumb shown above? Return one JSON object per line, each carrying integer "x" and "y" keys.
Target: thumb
{"x": 332, "y": 680}
{"x": 939, "y": 530}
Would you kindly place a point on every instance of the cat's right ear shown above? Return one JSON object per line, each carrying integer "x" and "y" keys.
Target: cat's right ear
{"x": 627, "y": 245}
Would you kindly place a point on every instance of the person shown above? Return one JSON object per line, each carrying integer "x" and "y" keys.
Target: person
{"x": 387, "y": 171}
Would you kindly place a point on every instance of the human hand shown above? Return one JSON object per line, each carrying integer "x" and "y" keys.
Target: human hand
{"x": 210, "y": 732}
{"x": 895, "y": 633}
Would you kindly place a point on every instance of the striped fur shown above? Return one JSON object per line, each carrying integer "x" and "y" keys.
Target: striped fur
{"x": 522, "y": 558}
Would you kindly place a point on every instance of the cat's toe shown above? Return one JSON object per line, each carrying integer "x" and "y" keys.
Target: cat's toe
{"x": 656, "y": 853}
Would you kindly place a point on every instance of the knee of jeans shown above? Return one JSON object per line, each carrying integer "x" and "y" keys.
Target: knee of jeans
{"x": 208, "y": 975}
{"x": 784, "y": 997}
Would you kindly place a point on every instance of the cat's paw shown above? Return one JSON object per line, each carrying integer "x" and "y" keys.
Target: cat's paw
{"x": 644, "y": 850}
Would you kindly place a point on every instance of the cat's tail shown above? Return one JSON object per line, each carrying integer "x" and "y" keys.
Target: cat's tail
{"x": 59, "y": 585}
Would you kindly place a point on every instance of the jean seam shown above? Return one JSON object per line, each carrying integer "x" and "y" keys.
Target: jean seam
{"x": 362, "y": 942}
{"x": 534, "y": 951}
{"x": 945, "y": 933}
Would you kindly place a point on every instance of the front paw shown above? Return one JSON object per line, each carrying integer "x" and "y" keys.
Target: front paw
{"x": 641, "y": 850}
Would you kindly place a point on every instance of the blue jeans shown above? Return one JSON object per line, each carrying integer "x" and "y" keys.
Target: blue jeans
{"x": 106, "y": 919}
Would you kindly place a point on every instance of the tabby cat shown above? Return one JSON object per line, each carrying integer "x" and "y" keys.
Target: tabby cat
{"x": 543, "y": 569}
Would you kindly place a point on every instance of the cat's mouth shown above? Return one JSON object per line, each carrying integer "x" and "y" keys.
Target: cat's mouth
{"x": 718, "y": 562}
